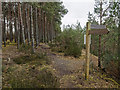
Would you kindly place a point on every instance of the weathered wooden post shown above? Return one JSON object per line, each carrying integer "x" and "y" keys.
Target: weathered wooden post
{"x": 92, "y": 29}
{"x": 87, "y": 50}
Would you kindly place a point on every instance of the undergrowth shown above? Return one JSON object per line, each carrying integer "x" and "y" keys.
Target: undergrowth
{"x": 25, "y": 48}
{"x": 30, "y": 71}
{"x": 43, "y": 78}
{"x": 40, "y": 57}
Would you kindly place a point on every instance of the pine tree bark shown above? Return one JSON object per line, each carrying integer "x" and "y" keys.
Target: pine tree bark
{"x": 7, "y": 37}
{"x": 15, "y": 25}
{"x": 47, "y": 31}
{"x": 51, "y": 31}
{"x": 24, "y": 18}
{"x": 19, "y": 29}
{"x": 32, "y": 32}
{"x": 45, "y": 28}
{"x": 22, "y": 25}
{"x": 4, "y": 26}
{"x": 18, "y": 34}
{"x": 39, "y": 25}
{"x": 28, "y": 25}
{"x": 99, "y": 55}
{"x": 36, "y": 27}
{"x": 10, "y": 15}
{"x": 43, "y": 21}
{"x": 119, "y": 40}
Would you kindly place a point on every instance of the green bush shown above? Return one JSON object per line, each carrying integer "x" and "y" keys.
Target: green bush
{"x": 70, "y": 42}
{"x": 73, "y": 49}
{"x": 47, "y": 78}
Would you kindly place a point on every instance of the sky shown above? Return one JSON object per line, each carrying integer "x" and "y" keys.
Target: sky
{"x": 77, "y": 10}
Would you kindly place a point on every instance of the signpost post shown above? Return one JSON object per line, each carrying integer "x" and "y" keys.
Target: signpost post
{"x": 92, "y": 29}
{"x": 87, "y": 50}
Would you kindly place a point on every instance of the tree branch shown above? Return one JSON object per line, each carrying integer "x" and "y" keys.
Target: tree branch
{"x": 106, "y": 9}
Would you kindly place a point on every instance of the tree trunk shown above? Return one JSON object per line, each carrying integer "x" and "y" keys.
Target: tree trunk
{"x": 4, "y": 26}
{"x": 119, "y": 40}
{"x": 18, "y": 34}
{"x": 99, "y": 55}
{"x": 15, "y": 25}
{"x": 7, "y": 37}
{"x": 10, "y": 15}
{"x": 19, "y": 29}
{"x": 48, "y": 31}
{"x": 43, "y": 21}
{"x": 24, "y": 18}
{"x": 32, "y": 33}
{"x": 45, "y": 28}
{"x": 21, "y": 21}
{"x": 51, "y": 31}
{"x": 39, "y": 25}
{"x": 36, "y": 27}
{"x": 28, "y": 25}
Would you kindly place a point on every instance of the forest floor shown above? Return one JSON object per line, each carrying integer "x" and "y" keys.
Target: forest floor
{"x": 69, "y": 70}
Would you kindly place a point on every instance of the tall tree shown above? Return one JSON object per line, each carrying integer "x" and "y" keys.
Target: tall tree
{"x": 18, "y": 31}
{"x": 15, "y": 21}
{"x": 10, "y": 19}
{"x": 101, "y": 13}
{"x": 115, "y": 17}
{"x": 21, "y": 22}
{"x": 32, "y": 32}
{"x": 4, "y": 25}
{"x": 28, "y": 24}
{"x": 36, "y": 18}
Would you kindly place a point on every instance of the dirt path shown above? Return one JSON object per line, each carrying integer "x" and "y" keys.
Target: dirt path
{"x": 71, "y": 71}
{"x": 66, "y": 69}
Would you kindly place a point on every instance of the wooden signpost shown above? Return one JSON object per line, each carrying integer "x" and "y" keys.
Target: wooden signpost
{"x": 98, "y": 29}
{"x": 87, "y": 50}
{"x": 92, "y": 29}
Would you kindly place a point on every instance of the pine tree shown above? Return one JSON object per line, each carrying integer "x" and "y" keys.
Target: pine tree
{"x": 101, "y": 13}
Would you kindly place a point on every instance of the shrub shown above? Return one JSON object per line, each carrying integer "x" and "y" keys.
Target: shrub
{"x": 47, "y": 78}
{"x": 32, "y": 57}
{"x": 111, "y": 64}
{"x": 70, "y": 42}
